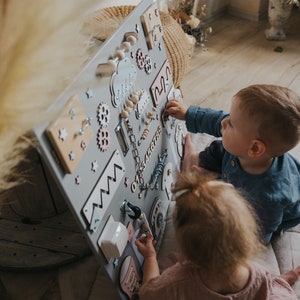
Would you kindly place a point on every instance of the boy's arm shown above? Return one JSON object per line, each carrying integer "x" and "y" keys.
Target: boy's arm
{"x": 206, "y": 162}
{"x": 211, "y": 158}
{"x": 204, "y": 120}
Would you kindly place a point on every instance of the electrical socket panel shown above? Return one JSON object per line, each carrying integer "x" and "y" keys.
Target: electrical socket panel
{"x": 113, "y": 143}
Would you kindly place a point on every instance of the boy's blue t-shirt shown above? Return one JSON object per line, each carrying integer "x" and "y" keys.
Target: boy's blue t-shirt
{"x": 275, "y": 194}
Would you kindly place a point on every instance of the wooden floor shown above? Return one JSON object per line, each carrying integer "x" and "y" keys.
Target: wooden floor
{"x": 238, "y": 55}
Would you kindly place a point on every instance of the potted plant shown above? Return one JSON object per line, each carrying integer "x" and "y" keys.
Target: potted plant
{"x": 189, "y": 14}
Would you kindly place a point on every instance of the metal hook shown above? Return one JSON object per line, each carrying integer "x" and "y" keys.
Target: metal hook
{"x": 85, "y": 124}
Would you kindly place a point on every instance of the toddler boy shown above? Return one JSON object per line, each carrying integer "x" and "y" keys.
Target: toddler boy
{"x": 263, "y": 125}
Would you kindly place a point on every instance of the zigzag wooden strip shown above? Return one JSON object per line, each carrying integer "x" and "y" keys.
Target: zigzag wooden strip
{"x": 105, "y": 189}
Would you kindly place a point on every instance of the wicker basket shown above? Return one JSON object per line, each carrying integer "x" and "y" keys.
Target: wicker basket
{"x": 105, "y": 21}
{"x": 177, "y": 47}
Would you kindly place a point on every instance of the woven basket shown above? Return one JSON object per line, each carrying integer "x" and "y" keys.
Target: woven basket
{"x": 104, "y": 22}
{"x": 177, "y": 47}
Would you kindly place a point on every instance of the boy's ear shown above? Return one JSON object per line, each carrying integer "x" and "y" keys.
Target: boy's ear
{"x": 257, "y": 148}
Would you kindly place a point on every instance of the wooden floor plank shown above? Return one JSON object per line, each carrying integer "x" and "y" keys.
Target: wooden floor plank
{"x": 23, "y": 257}
{"x": 48, "y": 243}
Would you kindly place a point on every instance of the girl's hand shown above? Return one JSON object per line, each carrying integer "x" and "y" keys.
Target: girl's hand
{"x": 176, "y": 109}
{"x": 145, "y": 246}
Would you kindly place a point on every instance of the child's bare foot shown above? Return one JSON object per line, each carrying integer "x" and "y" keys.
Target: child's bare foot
{"x": 190, "y": 156}
{"x": 292, "y": 276}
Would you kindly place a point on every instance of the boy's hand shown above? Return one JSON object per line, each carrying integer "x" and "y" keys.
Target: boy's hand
{"x": 176, "y": 109}
{"x": 190, "y": 160}
{"x": 145, "y": 246}
{"x": 191, "y": 156}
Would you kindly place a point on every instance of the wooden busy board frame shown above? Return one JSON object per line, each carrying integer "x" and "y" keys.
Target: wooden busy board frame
{"x": 112, "y": 144}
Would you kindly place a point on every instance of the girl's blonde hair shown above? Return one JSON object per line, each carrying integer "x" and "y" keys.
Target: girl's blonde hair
{"x": 41, "y": 50}
{"x": 215, "y": 227}
{"x": 276, "y": 111}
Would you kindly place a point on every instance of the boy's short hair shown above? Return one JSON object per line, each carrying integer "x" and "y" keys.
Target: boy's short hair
{"x": 215, "y": 227}
{"x": 276, "y": 110}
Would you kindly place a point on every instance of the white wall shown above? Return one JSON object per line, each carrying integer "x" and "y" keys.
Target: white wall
{"x": 215, "y": 7}
{"x": 252, "y": 10}
{"x": 107, "y": 3}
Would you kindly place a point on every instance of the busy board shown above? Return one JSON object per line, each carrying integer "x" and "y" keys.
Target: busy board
{"x": 112, "y": 148}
